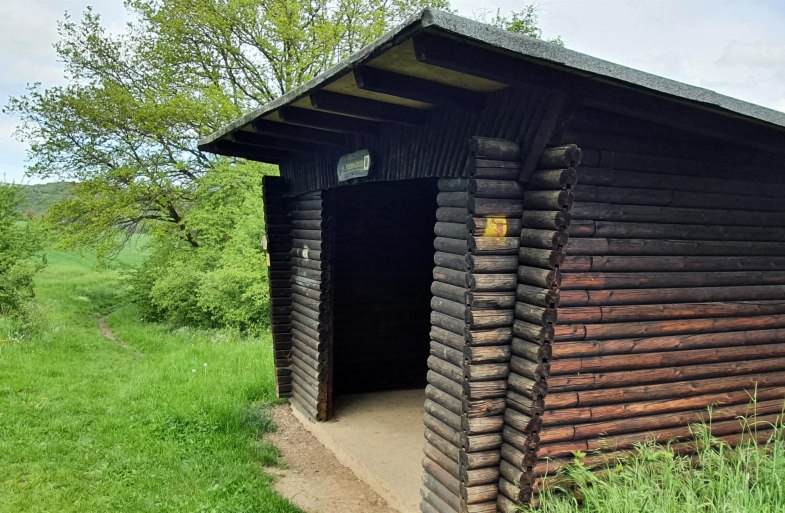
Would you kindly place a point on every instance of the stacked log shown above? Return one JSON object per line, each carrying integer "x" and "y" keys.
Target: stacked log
{"x": 543, "y": 237}
{"x": 277, "y": 244}
{"x": 311, "y": 316}
{"x": 478, "y": 222}
{"x": 672, "y": 300}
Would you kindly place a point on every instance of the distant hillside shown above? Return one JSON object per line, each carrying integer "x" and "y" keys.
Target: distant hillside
{"x": 39, "y": 198}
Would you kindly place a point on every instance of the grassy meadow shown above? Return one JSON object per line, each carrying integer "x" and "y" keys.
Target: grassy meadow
{"x": 167, "y": 421}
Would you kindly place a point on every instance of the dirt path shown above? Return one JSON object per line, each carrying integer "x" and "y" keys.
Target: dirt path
{"x": 313, "y": 479}
{"x": 107, "y": 332}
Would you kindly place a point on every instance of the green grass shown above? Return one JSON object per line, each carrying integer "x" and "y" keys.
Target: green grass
{"x": 171, "y": 424}
{"x": 720, "y": 479}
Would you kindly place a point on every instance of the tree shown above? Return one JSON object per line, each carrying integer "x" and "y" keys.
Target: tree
{"x": 18, "y": 242}
{"x": 526, "y": 22}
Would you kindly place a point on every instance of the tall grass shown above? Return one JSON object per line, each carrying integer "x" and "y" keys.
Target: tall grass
{"x": 749, "y": 478}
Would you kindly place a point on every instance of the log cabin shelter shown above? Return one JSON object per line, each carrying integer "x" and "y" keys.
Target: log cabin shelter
{"x": 564, "y": 254}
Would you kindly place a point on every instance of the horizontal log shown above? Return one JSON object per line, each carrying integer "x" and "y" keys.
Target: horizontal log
{"x": 448, "y": 323}
{"x": 530, "y": 388}
{"x": 484, "y": 459}
{"x": 530, "y": 350}
{"x": 668, "y": 420}
{"x": 487, "y": 354}
{"x": 534, "y": 314}
{"x": 509, "y": 189}
{"x": 675, "y": 198}
{"x": 543, "y": 239}
{"x": 484, "y": 319}
{"x": 451, "y": 215}
{"x": 524, "y": 442}
{"x": 521, "y": 422}
{"x": 561, "y": 156}
{"x": 452, "y": 199}
{"x": 447, "y": 307}
{"x": 444, "y": 399}
{"x": 676, "y": 343}
{"x": 494, "y": 226}
{"x": 633, "y": 263}
{"x": 594, "y": 281}
{"x": 675, "y": 215}
{"x": 659, "y": 328}
{"x": 450, "y": 230}
{"x": 454, "y": 246}
{"x": 537, "y": 333}
{"x": 559, "y": 200}
{"x": 487, "y": 371}
{"x": 479, "y": 477}
{"x": 494, "y": 149}
{"x": 654, "y": 230}
{"x": 443, "y": 414}
{"x": 494, "y": 300}
{"x": 445, "y": 384}
{"x": 536, "y": 295}
{"x": 542, "y": 258}
{"x": 489, "y": 264}
{"x": 489, "y": 337}
{"x": 579, "y": 415}
{"x": 658, "y": 180}
{"x": 450, "y": 276}
{"x": 661, "y": 247}
{"x": 442, "y": 429}
{"x": 434, "y": 487}
{"x": 491, "y": 282}
{"x": 448, "y": 338}
{"x": 545, "y": 278}
{"x": 546, "y": 219}
{"x": 670, "y": 295}
{"x": 449, "y": 481}
{"x": 482, "y": 494}
{"x": 485, "y": 389}
{"x": 549, "y": 179}
{"x": 672, "y": 390}
{"x": 312, "y": 244}
{"x": 495, "y": 207}
{"x": 450, "y": 261}
{"x": 662, "y": 375}
{"x": 493, "y": 245}
{"x": 306, "y": 214}
{"x": 481, "y": 425}
{"x": 447, "y": 291}
{"x": 446, "y": 353}
{"x": 445, "y": 368}
{"x": 483, "y": 442}
{"x": 533, "y": 370}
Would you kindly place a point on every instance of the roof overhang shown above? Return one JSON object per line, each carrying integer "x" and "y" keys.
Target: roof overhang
{"x": 437, "y": 59}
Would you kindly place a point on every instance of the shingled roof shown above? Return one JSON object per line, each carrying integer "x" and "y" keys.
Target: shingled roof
{"x": 435, "y": 59}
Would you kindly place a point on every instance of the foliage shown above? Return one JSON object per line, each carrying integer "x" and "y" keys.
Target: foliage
{"x": 526, "y": 22}
{"x": 170, "y": 422}
{"x": 748, "y": 478}
{"x": 18, "y": 242}
{"x": 223, "y": 282}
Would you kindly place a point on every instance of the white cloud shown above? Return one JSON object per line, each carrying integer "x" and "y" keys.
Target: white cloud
{"x": 754, "y": 54}
{"x": 780, "y": 105}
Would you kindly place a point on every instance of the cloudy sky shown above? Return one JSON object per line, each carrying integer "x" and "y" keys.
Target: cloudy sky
{"x": 731, "y": 46}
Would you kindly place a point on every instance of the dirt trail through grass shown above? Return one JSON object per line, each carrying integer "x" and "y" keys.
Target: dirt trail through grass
{"x": 108, "y": 334}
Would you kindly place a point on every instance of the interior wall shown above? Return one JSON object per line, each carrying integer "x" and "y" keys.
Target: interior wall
{"x": 382, "y": 271}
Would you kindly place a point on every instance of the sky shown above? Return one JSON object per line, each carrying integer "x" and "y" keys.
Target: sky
{"x": 734, "y": 47}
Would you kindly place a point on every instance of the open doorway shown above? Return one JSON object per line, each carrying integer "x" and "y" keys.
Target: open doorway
{"x": 382, "y": 273}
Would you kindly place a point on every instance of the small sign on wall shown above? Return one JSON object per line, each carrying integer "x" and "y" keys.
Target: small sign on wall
{"x": 354, "y": 165}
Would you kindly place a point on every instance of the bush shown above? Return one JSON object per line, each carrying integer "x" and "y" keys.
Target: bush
{"x": 18, "y": 243}
{"x": 223, "y": 281}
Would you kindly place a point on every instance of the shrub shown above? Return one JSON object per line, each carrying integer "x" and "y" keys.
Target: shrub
{"x": 18, "y": 242}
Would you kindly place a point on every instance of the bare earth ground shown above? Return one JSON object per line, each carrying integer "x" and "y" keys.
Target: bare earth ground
{"x": 313, "y": 479}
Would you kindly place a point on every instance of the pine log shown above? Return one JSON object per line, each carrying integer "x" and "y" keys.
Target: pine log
{"x": 562, "y": 156}
{"x": 549, "y": 179}
{"x": 494, "y": 149}
{"x": 492, "y": 264}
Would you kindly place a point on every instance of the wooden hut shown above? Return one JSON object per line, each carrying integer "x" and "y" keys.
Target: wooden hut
{"x": 568, "y": 255}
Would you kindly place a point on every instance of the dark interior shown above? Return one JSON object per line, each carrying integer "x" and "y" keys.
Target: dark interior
{"x": 382, "y": 273}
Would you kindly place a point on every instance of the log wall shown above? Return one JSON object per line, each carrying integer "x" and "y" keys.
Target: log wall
{"x": 543, "y": 235}
{"x": 472, "y": 311}
{"x": 277, "y": 245}
{"x": 672, "y": 294}
{"x": 311, "y": 265}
